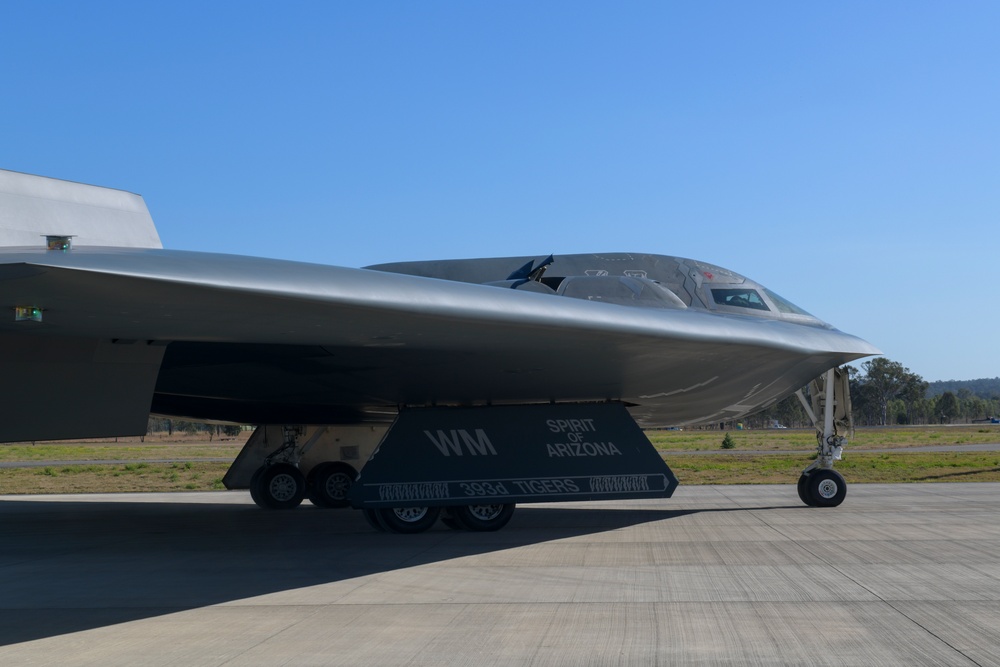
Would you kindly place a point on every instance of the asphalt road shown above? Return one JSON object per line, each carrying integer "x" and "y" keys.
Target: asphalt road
{"x": 905, "y": 574}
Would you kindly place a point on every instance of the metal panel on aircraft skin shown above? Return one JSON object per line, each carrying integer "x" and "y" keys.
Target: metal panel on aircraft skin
{"x": 35, "y": 206}
{"x": 69, "y": 387}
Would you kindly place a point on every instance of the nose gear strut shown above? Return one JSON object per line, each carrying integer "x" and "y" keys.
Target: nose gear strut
{"x": 820, "y": 485}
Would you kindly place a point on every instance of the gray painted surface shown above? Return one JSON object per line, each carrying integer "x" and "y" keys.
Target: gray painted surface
{"x": 34, "y": 206}
{"x": 55, "y": 387}
{"x": 734, "y": 575}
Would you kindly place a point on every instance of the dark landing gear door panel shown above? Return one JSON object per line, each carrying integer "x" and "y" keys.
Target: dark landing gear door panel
{"x": 512, "y": 454}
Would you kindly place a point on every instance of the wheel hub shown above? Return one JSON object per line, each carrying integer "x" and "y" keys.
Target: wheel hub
{"x": 827, "y": 489}
{"x": 410, "y": 514}
{"x": 283, "y": 487}
{"x": 485, "y": 512}
{"x": 337, "y": 486}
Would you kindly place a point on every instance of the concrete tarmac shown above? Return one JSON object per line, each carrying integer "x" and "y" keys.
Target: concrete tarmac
{"x": 903, "y": 574}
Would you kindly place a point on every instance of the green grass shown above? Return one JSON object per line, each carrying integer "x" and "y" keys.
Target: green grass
{"x": 857, "y": 468}
{"x": 199, "y": 476}
{"x": 805, "y": 439}
{"x": 105, "y": 452}
{"x": 794, "y": 447}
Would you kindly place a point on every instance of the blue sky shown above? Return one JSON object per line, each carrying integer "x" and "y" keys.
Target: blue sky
{"x": 846, "y": 155}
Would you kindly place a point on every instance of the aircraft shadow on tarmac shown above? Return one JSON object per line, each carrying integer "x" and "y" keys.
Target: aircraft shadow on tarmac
{"x": 72, "y": 566}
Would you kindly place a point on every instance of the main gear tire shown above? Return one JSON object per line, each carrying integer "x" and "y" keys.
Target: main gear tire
{"x": 329, "y": 484}
{"x": 278, "y": 487}
{"x": 408, "y": 519}
{"x": 483, "y": 518}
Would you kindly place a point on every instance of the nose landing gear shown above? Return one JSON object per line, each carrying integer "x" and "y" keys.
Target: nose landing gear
{"x": 820, "y": 485}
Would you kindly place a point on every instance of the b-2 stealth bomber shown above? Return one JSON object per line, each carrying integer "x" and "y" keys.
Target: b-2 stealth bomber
{"x": 412, "y": 391}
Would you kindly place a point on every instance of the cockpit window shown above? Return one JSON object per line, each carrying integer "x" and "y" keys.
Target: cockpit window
{"x": 622, "y": 290}
{"x": 784, "y": 305}
{"x": 741, "y": 298}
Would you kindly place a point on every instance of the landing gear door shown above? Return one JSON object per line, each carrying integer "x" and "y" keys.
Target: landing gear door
{"x": 512, "y": 454}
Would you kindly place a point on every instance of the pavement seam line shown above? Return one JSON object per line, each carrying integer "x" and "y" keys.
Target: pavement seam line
{"x": 929, "y": 632}
{"x": 271, "y": 636}
{"x": 878, "y": 597}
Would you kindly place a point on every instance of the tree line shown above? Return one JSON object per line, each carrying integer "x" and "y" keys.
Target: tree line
{"x": 171, "y": 426}
{"x": 884, "y": 392}
{"x": 983, "y": 387}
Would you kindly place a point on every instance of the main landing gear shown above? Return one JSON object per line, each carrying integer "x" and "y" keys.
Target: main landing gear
{"x": 473, "y": 518}
{"x": 280, "y": 485}
{"x": 820, "y": 485}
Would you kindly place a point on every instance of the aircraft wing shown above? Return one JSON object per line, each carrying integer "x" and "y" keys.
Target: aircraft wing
{"x": 258, "y": 340}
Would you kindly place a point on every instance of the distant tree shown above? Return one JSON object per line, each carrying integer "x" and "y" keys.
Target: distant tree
{"x": 898, "y": 412}
{"x": 787, "y": 412}
{"x": 923, "y": 411}
{"x": 187, "y": 427}
{"x": 883, "y": 381}
{"x": 974, "y": 408}
{"x": 914, "y": 391}
{"x": 947, "y": 406}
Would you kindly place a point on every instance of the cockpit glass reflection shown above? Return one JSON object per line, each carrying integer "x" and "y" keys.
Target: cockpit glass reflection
{"x": 741, "y": 298}
{"x": 784, "y": 305}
